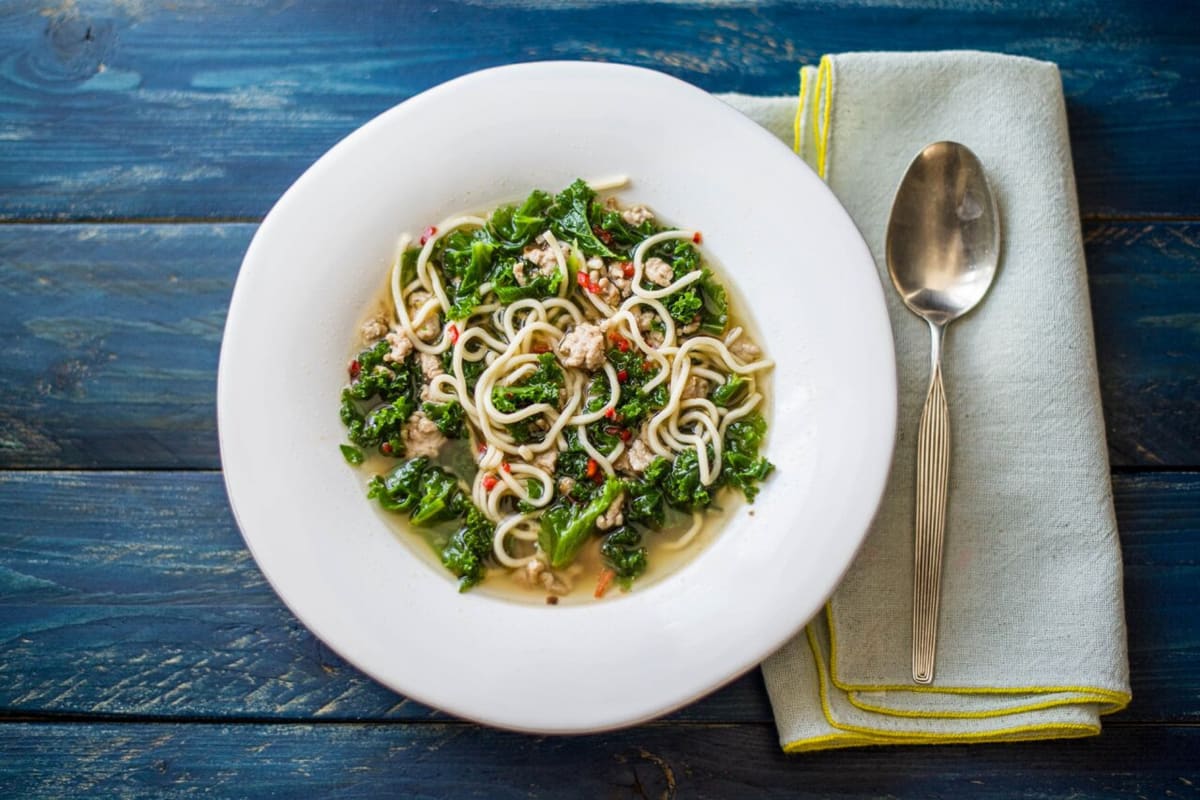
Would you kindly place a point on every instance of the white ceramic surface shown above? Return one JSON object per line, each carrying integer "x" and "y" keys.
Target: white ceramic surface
{"x": 321, "y": 255}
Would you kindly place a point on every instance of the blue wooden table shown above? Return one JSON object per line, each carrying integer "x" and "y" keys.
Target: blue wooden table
{"x": 141, "y": 651}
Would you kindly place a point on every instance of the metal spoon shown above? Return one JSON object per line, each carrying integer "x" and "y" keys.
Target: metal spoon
{"x": 943, "y": 246}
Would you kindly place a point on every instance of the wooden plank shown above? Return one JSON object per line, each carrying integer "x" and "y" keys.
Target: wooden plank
{"x": 113, "y": 332}
{"x": 132, "y": 594}
{"x": 210, "y": 109}
{"x": 1145, "y": 291}
{"x": 111, "y": 336}
{"x": 667, "y": 761}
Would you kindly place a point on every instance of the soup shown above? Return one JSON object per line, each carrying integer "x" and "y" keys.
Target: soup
{"x": 557, "y": 396}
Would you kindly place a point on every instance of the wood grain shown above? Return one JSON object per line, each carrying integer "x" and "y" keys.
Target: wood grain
{"x": 662, "y": 761}
{"x": 132, "y": 594}
{"x": 113, "y": 331}
{"x": 204, "y": 109}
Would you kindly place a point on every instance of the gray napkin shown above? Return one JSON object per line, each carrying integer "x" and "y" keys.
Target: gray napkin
{"x": 1032, "y": 633}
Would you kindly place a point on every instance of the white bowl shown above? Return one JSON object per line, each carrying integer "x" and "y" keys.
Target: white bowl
{"x": 322, "y": 254}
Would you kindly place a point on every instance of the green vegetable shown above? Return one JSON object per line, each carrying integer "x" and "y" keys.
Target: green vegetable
{"x": 743, "y": 467}
{"x": 727, "y": 392}
{"x": 352, "y": 455}
{"x": 401, "y": 489}
{"x": 684, "y": 304}
{"x": 682, "y": 486}
{"x": 636, "y": 404}
{"x": 467, "y": 551}
{"x": 542, "y": 386}
{"x": 440, "y": 497}
{"x": 646, "y": 497}
{"x": 571, "y": 219}
{"x": 645, "y": 503}
{"x": 623, "y": 234}
{"x": 385, "y": 424}
{"x": 537, "y": 285}
{"x": 624, "y": 555}
{"x": 514, "y": 227}
{"x": 714, "y": 314}
{"x": 565, "y": 526}
{"x": 449, "y": 418}
{"x": 432, "y": 495}
{"x": 466, "y": 260}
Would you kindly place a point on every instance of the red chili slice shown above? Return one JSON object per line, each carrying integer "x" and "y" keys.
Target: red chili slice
{"x": 622, "y": 375}
{"x": 428, "y": 234}
{"x": 452, "y": 332}
{"x": 697, "y": 238}
{"x": 489, "y": 482}
{"x": 355, "y": 369}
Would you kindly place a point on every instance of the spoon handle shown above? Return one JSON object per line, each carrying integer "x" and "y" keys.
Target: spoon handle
{"x": 933, "y": 477}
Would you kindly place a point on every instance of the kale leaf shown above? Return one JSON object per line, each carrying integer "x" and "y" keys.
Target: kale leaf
{"x": 513, "y": 227}
{"x": 682, "y": 486}
{"x": 542, "y": 386}
{"x": 449, "y": 418}
{"x": 684, "y": 304}
{"x": 571, "y": 219}
{"x": 623, "y": 234}
{"x": 724, "y": 395}
{"x": 467, "y": 551}
{"x": 466, "y": 260}
{"x": 714, "y": 313}
{"x": 401, "y": 489}
{"x": 537, "y": 286}
{"x": 432, "y": 495}
{"x": 441, "y": 498}
{"x": 565, "y": 526}
{"x": 743, "y": 467}
{"x": 623, "y": 553}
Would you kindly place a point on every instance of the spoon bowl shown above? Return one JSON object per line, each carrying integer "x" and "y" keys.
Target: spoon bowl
{"x": 943, "y": 237}
{"x": 943, "y": 249}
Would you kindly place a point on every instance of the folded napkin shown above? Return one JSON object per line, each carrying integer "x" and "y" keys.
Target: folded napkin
{"x": 1031, "y": 641}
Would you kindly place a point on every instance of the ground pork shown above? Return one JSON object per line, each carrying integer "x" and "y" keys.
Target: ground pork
{"x": 695, "y": 387}
{"x": 374, "y": 329}
{"x": 616, "y": 274}
{"x": 431, "y": 366}
{"x": 658, "y": 271}
{"x": 547, "y": 460}
{"x": 612, "y": 517}
{"x": 640, "y": 456}
{"x": 543, "y": 259}
{"x": 582, "y": 347}
{"x": 745, "y": 349}
{"x": 401, "y": 347}
{"x": 535, "y": 573}
{"x": 422, "y": 437}
{"x": 636, "y": 215}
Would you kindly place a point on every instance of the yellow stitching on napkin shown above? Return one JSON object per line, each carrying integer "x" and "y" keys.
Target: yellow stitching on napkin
{"x": 824, "y": 93}
{"x": 1115, "y": 700}
{"x": 797, "y": 142}
{"x": 1019, "y": 733}
{"x": 1073, "y": 699}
